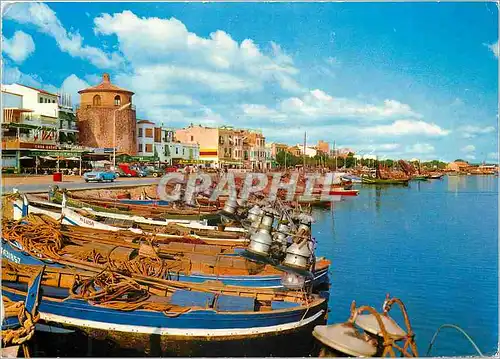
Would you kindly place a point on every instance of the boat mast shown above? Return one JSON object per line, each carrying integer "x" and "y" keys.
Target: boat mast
{"x": 304, "y": 154}
{"x": 335, "y": 153}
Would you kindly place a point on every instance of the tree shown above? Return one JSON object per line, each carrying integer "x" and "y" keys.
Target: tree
{"x": 349, "y": 161}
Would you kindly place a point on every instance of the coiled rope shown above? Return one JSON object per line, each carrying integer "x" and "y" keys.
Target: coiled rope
{"x": 27, "y": 321}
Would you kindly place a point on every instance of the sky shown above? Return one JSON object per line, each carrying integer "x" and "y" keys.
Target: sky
{"x": 399, "y": 80}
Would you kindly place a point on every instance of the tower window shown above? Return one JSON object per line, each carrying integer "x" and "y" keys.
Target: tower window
{"x": 118, "y": 100}
{"x": 96, "y": 101}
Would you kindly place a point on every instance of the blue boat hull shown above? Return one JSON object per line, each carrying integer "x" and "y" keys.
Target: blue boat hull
{"x": 321, "y": 279}
{"x": 203, "y": 332}
{"x": 146, "y": 202}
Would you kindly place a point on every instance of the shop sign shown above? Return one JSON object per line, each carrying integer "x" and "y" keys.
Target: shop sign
{"x": 38, "y": 146}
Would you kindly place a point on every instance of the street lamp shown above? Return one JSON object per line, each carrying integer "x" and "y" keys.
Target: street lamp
{"x": 114, "y": 132}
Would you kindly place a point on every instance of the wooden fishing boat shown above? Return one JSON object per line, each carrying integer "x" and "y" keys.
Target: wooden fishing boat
{"x": 344, "y": 192}
{"x": 114, "y": 222}
{"x": 436, "y": 176}
{"x": 351, "y": 178}
{"x": 174, "y": 260}
{"x": 210, "y": 214}
{"x": 19, "y": 319}
{"x": 379, "y": 181}
{"x": 165, "y": 318}
{"x": 420, "y": 178}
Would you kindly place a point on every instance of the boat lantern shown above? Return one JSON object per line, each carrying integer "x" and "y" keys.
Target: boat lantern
{"x": 292, "y": 281}
{"x": 281, "y": 234}
{"x": 298, "y": 255}
{"x": 231, "y": 205}
{"x": 260, "y": 242}
{"x": 343, "y": 340}
{"x": 254, "y": 213}
{"x": 267, "y": 221}
{"x": 254, "y": 227}
{"x": 369, "y": 323}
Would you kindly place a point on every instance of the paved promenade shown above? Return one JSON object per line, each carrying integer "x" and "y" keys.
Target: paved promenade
{"x": 35, "y": 184}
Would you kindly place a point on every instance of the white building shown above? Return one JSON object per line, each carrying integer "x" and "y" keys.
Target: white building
{"x": 145, "y": 138}
{"x": 310, "y": 150}
{"x": 159, "y": 143}
{"x": 44, "y": 105}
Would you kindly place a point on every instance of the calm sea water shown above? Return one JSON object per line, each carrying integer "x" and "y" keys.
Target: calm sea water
{"x": 433, "y": 244}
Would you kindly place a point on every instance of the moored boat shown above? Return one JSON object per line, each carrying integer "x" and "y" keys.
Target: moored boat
{"x": 170, "y": 318}
{"x": 208, "y": 213}
{"x": 380, "y": 181}
{"x": 436, "y": 175}
{"x": 420, "y": 178}
{"x": 176, "y": 261}
{"x": 87, "y": 217}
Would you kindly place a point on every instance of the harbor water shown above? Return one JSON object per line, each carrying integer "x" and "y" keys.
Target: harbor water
{"x": 433, "y": 244}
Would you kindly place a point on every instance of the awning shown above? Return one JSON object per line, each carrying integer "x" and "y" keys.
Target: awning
{"x": 48, "y": 158}
{"x": 73, "y": 158}
{"x": 64, "y": 153}
{"x": 25, "y": 158}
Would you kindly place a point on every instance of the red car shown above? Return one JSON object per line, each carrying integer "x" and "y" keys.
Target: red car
{"x": 129, "y": 172}
{"x": 171, "y": 169}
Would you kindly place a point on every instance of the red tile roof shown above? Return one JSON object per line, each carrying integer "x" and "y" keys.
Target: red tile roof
{"x": 146, "y": 121}
{"x": 105, "y": 85}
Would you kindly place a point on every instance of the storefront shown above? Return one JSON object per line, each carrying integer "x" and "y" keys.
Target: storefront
{"x": 41, "y": 161}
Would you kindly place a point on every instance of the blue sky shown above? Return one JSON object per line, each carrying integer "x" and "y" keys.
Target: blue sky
{"x": 407, "y": 80}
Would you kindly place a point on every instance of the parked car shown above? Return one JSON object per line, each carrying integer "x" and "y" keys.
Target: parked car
{"x": 171, "y": 169}
{"x": 141, "y": 172}
{"x": 119, "y": 172}
{"x": 155, "y": 172}
{"x": 128, "y": 170}
{"x": 99, "y": 175}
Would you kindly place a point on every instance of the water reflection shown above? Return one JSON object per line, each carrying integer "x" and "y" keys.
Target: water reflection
{"x": 476, "y": 183}
{"x": 378, "y": 192}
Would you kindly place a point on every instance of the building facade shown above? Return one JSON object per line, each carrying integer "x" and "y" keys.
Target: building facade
{"x": 227, "y": 146}
{"x": 106, "y": 110}
{"x": 160, "y": 144}
{"x": 68, "y": 124}
{"x": 207, "y": 139}
{"x": 31, "y": 133}
{"x": 323, "y": 147}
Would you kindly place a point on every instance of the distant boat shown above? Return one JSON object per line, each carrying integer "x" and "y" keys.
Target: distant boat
{"x": 436, "y": 176}
{"x": 352, "y": 178}
{"x": 366, "y": 180}
{"x": 420, "y": 178}
{"x": 344, "y": 192}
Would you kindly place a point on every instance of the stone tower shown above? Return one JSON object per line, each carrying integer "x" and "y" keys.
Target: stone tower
{"x": 95, "y": 117}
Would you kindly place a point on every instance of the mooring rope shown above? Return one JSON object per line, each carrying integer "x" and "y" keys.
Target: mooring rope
{"x": 456, "y": 327}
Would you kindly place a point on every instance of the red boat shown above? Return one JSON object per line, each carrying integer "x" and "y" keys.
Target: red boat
{"x": 344, "y": 192}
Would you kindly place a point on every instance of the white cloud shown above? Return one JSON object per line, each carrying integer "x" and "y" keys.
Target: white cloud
{"x": 468, "y": 148}
{"x": 388, "y": 146}
{"x": 494, "y": 48}
{"x": 317, "y": 103}
{"x": 406, "y": 127}
{"x": 45, "y": 20}
{"x": 470, "y": 157}
{"x": 19, "y": 47}
{"x": 473, "y": 131}
{"x": 254, "y": 111}
{"x": 493, "y": 156}
{"x": 216, "y": 62}
{"x": 420, "y": 148}
{"x": 12, "y": 75}
{"x": 71, "y": 85}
